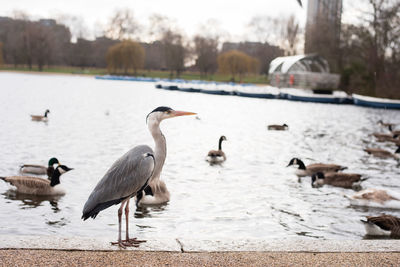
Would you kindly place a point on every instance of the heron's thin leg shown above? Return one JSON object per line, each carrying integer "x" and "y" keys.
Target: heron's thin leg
{"x": 127, "y": 219}
{"x": 119, "y": 242}
{"x": 133, "y": 241}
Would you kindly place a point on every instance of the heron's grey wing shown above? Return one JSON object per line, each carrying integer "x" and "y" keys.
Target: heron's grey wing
{"x": 125, "y": 178}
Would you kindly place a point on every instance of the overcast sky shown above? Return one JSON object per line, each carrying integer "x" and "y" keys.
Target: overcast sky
{"x": 232, "y": 16}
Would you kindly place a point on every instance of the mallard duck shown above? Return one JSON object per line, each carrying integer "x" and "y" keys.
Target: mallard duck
{"x": 386, "y": 225}
{"x": 381, "y": 153}
{"x": 377, "y": 198}
{"x": 309, "y": 170}
{"x": 40, "y": 117}
{"x": 40, "y": 169}
{"x": 156, "y": 193}
{"x": 277, "y": 127}
{"x": 39, "y": 186}
{"x": 217, "y": 156}
{"x": 339, "y": 179}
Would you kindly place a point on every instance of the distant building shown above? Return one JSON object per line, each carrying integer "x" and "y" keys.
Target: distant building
{"x": 323, "y": 29}
{"x": 302, "y": 71}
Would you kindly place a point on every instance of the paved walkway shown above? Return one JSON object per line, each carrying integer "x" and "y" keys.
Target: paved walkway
{"x": 61, "y": 258}
{"x": 77, "y": 251}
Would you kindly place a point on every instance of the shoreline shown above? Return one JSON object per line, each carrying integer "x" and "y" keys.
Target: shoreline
{"x": 294, "y": 245}
{"x": 78, "y": 251}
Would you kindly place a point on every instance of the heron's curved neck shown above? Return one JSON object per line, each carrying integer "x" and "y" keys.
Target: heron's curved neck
{"x": 220, "y": 144}
{"x": 160, "y": 150}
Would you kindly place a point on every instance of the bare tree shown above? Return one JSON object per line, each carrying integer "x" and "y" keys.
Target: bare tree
{"x": 175, "y": 52}
{"x": 76, "y": 25}
{"x": 122, "y": 25}
{"x": 290, "y": 34}
{"x": 206, "y": 51}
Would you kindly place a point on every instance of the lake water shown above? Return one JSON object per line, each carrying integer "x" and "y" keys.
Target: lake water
{"x": 252, "y": 195}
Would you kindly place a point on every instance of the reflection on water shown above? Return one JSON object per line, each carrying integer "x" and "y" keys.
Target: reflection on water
{"x": 251, "y": 195}
{"x": 32, "y": 201}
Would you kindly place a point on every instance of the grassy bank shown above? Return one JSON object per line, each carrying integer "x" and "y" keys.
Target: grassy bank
{"x": 257, "y": 79}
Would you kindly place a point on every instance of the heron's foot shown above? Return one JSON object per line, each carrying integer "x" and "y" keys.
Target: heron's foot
{"x": 119, "y": 243}
{"x": 134, "y": 241}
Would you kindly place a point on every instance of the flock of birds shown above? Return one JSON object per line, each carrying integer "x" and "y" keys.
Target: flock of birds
{"x": 137, "y": 174}
{"x": 331, "y": 174}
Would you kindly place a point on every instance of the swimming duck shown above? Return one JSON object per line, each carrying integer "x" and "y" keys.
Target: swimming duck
{"x": 386, "y": 225}
{"x": 217, "y": 156}
{"x": 156, "y": 193}
{"x": 377, "y": 198}
{"x": 40, "y": 117}
{"x": 277, "y": 127}
{"x": 40, "y": 169}
{"x": 381, "y": 153}
{"x": 39, "y": 186}
{"x": 339, "y": 179}
{"x": 309, "y": 170}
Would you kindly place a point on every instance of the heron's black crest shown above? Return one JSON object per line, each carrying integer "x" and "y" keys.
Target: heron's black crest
{"x": 161, "y": 109}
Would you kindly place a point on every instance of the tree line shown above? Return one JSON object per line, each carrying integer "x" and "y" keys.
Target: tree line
{"x": 48, "y": 43}
{"x": 366, "y": 54}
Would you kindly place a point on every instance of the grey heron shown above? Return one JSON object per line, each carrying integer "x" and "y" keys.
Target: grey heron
{"x": 217, "y": 156}
{"x": 39, "y": 169}
{"x": 41, "y": 117}
{"x": 131, "y": 174}
{"x": 39, "y": 186}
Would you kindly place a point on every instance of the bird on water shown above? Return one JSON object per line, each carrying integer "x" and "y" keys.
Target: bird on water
{"x": 217, "y": 156}
{"x": 40, "y": 169}
{"x": 131, "y": 174}
{"x": 39, "y": 186}
{"x": 41, "y": 117}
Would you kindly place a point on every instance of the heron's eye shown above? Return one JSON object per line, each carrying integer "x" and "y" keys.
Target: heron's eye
{"x": 168, "y": 111}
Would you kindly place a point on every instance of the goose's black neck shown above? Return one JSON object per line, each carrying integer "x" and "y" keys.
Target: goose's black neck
{"x": 220, "y": 143}
{"x": 55, "y": 178}
{"x": 301, "y": 165}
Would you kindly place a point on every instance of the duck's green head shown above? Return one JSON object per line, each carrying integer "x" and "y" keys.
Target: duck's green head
{"x": 53, "y": 161}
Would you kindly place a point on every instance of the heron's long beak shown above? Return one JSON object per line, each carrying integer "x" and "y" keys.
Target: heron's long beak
{"x": 176, "y": 113}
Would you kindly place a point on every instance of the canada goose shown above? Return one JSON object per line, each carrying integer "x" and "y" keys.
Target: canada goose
{"x": 376, "y": 198}
{"x": 39, "y": 186}
{"x": 308, "y": 170}
{"x": 386, "y": 225}
{"x": 40, "y": 117}
{"x": 277, "y": 127}
{"x": 386, "y": 124}
{"x": 40, "y": 169}
{"x": 339, "y": 179}
{"x": 217, "y": 156}
{"x": 381, "y": 153}
{"x": 156, "y": 193}
{"x": 382, "y": 137}
{"x": 396, "y": 132}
